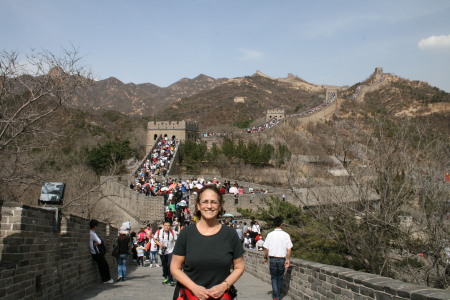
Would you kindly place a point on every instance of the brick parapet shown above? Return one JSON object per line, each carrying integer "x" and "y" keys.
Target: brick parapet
{"x": 44, "y": 254}
{"x": 136, "y": 207}
{"x": 310, "y": 280}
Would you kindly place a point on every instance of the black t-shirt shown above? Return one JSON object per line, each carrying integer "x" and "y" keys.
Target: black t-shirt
{"x": 208, "y": 258}
{"x": 123, "y": 244}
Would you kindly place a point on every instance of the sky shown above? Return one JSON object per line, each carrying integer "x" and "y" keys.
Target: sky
{"x": 321, "y": 41}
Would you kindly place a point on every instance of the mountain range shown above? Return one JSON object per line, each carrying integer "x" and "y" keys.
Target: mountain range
{"x": 211, "y": 102}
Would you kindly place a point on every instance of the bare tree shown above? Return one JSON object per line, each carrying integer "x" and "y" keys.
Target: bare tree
{"x": 398, "y": 178}
{"x": 32, "y": 88}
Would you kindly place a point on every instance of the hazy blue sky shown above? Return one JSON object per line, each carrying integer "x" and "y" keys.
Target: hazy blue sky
{"x": 324, "y": 42}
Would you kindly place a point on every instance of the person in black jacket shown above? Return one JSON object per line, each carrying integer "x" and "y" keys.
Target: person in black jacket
{"x": 123, "y": 242}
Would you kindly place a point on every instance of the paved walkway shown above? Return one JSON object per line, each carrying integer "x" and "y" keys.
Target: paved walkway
{"x": 146, "y": 283}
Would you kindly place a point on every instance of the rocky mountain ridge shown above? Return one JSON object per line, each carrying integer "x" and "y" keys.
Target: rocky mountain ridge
{"x": 210, "y": 101}
{"x": 149, "y": 99}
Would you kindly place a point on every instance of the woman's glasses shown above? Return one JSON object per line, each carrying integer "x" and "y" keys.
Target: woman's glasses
{"x": 212, "y": 202}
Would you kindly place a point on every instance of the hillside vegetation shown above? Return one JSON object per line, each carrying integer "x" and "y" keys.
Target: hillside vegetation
{"x": 216, "y": 107}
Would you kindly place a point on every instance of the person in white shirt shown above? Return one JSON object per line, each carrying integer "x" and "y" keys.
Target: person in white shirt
{"x": 97, "y": 254}
{"x": 153, "y": 253}
{"x": 247, "y": 241}
{"x": 255, "y": 230}
{"x": 165, "y": 238}
{"x": 260, "y": 244}
{"x": 277, "y": 249}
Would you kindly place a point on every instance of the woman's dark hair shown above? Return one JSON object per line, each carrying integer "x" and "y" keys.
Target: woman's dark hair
{"x": 213, "y": 188}
{"x": 93, "y": 223}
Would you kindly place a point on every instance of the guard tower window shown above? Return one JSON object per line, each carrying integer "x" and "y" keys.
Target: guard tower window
{"x": 155, "y": 137}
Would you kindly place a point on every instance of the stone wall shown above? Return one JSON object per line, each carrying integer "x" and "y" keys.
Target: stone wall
{"x": 320, "y": 115}
{"x": 303, "y": 197}
{"x": 139, "y": 208}
{"x": 44, "y": 254}
{"x": 309, "y": 280}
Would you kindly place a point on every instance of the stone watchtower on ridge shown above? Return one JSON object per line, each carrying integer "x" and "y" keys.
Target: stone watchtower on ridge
{"x": 331, "y": 95}
{"x": 275, "y": 113}
{"x": 378, "y": 75}
{"x": 181, "y": 130}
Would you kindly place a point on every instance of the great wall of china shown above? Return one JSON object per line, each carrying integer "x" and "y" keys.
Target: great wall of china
{"x": 44, "y": 255}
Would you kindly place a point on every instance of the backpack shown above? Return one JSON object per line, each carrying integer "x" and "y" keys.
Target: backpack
{"x": 101, "y": 248}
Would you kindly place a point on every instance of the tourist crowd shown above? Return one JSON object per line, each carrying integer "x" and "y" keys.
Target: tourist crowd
{"x": 158, "y": 160}
{"x": 262, "y": 127}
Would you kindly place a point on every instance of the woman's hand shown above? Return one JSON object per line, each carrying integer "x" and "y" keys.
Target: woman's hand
{"x": 200, "y": 292}
{"x": 218, "y": 290}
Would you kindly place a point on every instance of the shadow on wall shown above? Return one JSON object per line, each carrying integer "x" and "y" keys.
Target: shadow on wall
{"x": 45, "y": 254}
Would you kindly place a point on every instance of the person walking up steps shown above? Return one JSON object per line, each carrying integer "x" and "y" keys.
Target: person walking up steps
{"x": 123, "y": 242}
{"x": 140, "y": 250}
{"x": 153, "y": 253}
{"x": 277, "y": 250}
{"x": 165, "y": 239}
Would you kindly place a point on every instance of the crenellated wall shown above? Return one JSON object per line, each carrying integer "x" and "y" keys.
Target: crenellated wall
{"x": 45, "y": 254}
{"x": 309, "y": 280}
{"x": 140, "y": 209}
{"x": 181, "y": 130}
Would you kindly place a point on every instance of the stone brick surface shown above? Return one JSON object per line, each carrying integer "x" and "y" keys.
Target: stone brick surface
{"x": 340, "y": 283}
{"x": 37, "y": 261}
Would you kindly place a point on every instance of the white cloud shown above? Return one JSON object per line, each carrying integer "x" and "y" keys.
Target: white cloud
{"x": 435, "y": 42}
{"x": 248, "y": 54}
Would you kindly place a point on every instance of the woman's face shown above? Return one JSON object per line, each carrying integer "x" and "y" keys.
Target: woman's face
{"x": 209, "y": 205}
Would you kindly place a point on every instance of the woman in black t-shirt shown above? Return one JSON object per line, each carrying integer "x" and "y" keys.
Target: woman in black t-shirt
{"x": 205, "y": 252}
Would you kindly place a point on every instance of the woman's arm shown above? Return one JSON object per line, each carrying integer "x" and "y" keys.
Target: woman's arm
{"x": 176, "y": 271}
{"x": 218, "y": 290}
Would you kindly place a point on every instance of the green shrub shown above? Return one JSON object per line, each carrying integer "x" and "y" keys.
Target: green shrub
{"x": 109, "y": 156}
{"x": 243, "y": 124}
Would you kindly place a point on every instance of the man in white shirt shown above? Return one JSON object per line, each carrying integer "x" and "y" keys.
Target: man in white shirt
{"x": 165, "y": 239}
{"x": 277, "y": 249}
{"x": 97, "y": 255}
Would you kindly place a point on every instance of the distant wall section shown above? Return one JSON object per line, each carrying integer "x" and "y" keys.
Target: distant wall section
{"x": 129, "y": 205}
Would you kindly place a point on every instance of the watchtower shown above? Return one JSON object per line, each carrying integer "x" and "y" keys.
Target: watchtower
{"x": 275, "y": 113}
{"x": 331, "y": 95}
{"x": 239, "y": 99}
{"x": 181, "y": 130}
